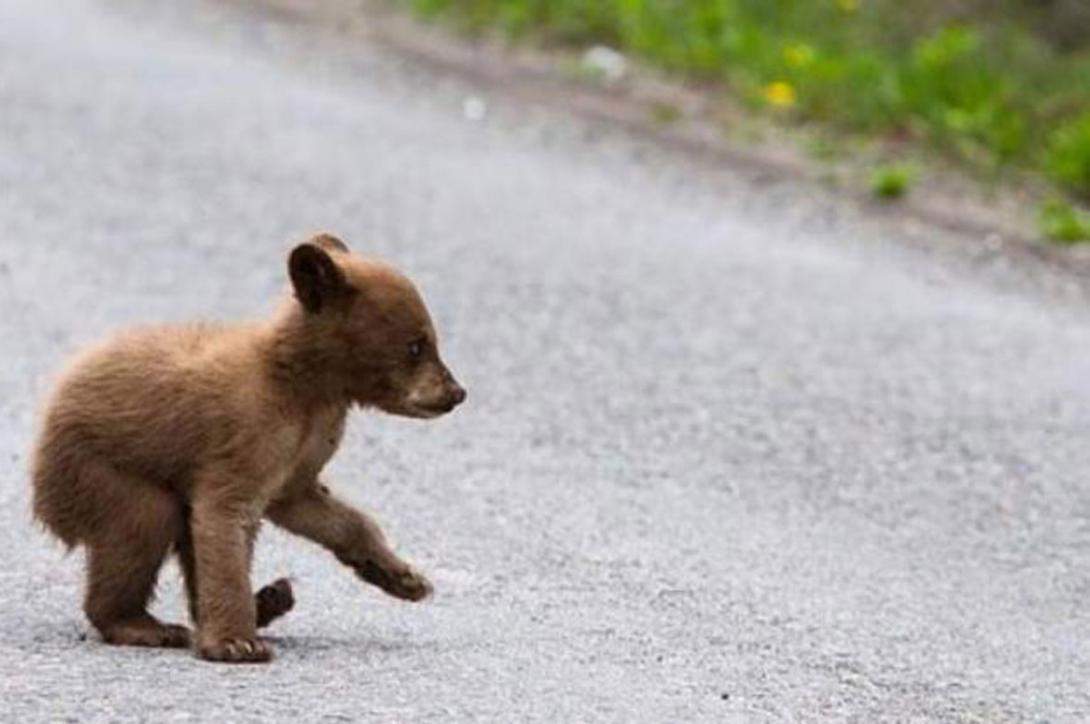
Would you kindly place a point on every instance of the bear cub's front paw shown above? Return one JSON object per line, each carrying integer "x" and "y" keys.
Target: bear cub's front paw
{"x": 235, "y": 650}
{"x": 401, "y": 581}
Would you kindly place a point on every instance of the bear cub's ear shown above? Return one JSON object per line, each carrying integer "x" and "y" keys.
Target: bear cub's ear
{"x": 316, "y": 278}
{"x": 329, "y": 242}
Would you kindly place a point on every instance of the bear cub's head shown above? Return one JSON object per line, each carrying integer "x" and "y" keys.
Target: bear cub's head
{"x": 373, "y": 331}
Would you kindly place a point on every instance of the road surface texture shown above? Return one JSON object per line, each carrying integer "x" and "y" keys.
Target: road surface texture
{"x": 731, "y": 453}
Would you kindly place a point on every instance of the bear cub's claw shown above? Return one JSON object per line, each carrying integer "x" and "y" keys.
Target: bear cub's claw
{"x": 239, "y": 650}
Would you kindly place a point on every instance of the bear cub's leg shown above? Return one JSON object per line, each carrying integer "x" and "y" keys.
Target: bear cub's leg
{"x": 222, "y": 534}
{"x": 271, "y": 602}
{"x": 123, "y": 565}
{"x": 353, "y": 537}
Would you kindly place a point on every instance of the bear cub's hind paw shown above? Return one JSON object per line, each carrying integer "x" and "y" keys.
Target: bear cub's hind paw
{"x": 273, "y": 601}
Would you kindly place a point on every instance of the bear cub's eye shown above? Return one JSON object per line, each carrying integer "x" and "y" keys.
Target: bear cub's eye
{"x": 416, "y": 348}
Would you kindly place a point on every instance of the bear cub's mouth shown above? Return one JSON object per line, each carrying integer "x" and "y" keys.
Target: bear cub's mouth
{"x": 438, "y": 407}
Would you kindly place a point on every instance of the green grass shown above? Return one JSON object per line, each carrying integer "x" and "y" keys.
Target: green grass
{"x": 1068, "y": 156}
{"x": 1063, "y": 223}
{"x": 892, "y": 182}
{"x": 968, "y": 78}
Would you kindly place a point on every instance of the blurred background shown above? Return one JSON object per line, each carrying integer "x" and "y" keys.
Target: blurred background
{"x": 1000, "y": 86}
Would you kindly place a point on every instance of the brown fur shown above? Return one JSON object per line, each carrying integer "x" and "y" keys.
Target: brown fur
{"x": 184, "y": 438}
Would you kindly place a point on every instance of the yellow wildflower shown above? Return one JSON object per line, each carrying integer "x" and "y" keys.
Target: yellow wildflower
{"x": 848, "y": 6}
{"x": 780, "y": 94}
{"x": 798, "y": 55}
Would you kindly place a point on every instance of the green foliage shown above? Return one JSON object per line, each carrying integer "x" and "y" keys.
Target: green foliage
{"x": 968, "y": 78}
{"x": 892, "y": 182}
{"x": 1063, "y": 223}
{"x": 1068, "y": 154}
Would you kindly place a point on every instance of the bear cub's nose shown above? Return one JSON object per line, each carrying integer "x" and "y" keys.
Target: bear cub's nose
{"x": 457, "y": 395}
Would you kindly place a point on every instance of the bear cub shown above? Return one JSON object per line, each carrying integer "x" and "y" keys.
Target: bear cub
{"x": 180, "y": 440}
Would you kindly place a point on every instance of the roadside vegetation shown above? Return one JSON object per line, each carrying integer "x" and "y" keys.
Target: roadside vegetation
{"x": 892, "y": 181}
{"x": 1002, "y": 86}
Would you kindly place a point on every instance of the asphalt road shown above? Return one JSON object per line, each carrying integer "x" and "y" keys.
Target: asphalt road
{"x": 732, "y": 451}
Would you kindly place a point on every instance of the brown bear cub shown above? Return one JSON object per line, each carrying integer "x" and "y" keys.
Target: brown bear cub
{"x": 181, "y": 439}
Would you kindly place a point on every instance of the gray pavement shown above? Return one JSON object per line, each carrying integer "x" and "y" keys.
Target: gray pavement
{"x": 732, "y": 452}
